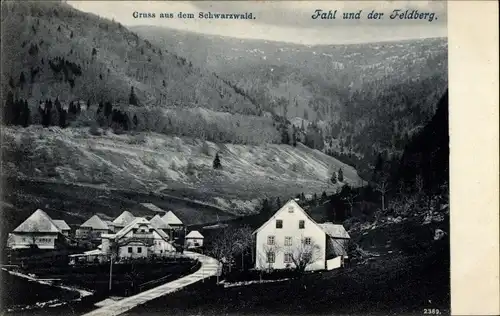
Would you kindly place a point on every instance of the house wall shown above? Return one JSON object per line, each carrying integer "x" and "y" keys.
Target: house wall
{"x": 194, "y": 242}
{"x": 290, "y": 229}
{"x": 83, "y": 232}
{"x": 160, "y": 246}
{"x": 43, "y": 241}
{"x": 123, "y": 251}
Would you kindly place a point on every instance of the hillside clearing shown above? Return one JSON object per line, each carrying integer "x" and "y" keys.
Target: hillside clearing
{"x": 151, "y": 162}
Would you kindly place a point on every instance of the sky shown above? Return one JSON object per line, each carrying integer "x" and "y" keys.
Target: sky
{"x": 288, "y": 21}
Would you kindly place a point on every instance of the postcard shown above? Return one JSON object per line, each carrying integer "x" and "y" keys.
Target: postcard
{"x": 248, "y": 158}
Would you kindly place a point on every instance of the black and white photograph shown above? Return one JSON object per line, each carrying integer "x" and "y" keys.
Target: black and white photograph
{"x": 224, "y": 158}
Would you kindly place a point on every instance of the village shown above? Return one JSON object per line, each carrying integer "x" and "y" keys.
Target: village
{"x": 130, "y": 254}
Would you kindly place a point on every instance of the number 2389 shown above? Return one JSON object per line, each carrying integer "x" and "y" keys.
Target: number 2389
{"x": 431, "y": 311}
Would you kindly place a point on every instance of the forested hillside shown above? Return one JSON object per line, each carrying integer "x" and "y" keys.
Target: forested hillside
{"x": 74, "y": 61}
{"x": 351, "y": 101}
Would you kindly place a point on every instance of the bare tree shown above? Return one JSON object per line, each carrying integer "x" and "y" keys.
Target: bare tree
{"x": 382, "y": 187}
{"x": 350, "y": 199}
{"x": 306, "y": 252}
{"x": 269, "y": 251}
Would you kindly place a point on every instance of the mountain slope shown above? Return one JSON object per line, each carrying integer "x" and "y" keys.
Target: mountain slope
{"x": 368, "y": 98}
{"x": 155, "y": 162}
{"x": 102, "y": 61}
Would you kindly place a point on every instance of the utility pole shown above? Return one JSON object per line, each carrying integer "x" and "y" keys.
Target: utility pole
{"x": 110, "y": 272}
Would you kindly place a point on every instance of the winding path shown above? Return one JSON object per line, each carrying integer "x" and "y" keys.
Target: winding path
{"x": 209, "y": 267}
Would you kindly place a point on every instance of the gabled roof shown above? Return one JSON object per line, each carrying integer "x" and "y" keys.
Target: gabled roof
{"x": 153, "y": 207}
{"x": 39, "y": 221}
{"x": 136, "y": 223}
{"x": 124, "y": 219}
{"x": 61, "y": 224}
{"x": 334, "y": 230}
{"x": 194, "y": 234}
{"x": 293, "y": 204}
{"x": 171, "y": 219}
{"x": 95, "y": 222}
{"x": 159, "y": 223}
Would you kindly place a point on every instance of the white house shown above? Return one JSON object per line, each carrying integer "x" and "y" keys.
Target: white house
{"x": 93, "y": 228}
{"x": 63, "y": 226}
{"x": 172, "y": 220}
{"x": 291, "y": 237}
{"x": 123, "y": 220}
{"x": 138, "y": 239}
{"x": 37, "y": 230}
{"x": 159, "y": 223}
{"x": 194, "y": 239}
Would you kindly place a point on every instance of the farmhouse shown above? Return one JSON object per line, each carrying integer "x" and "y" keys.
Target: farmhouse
{"x": 194, "y": 239}
{"x": 158, "y": 223}
{"x": 38, "y": 230}
{"x": 63, "y": 226}
{"x": 123, "y": 220}
{"x": 92, "y": 229}
{"x": 291, "y": 238}
{"x": 139, "y": 239}
{"x": 172, "y": 220}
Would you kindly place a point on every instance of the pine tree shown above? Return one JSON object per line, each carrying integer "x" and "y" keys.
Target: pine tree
{"x": 340, "y": 175}
{"x": 135, "y": 120}
{"x": 108, "y": 109}
{"x": 333, "y": 178}
{"x": 324, "y": 196}
{"x": 26, "y": 115}
{"x": 71, "y": 35}
{"x": 132, "y": 98}
{"x": 22, "y": 79}
{"x": 8, "y": 110}
{"x": 278, "y": 203}
{"x": 217, "y": 163}
{"x": 94, "y": 52}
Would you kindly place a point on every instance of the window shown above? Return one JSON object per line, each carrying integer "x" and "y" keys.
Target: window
{"x": 290, "y": 209}
{"x": 288, "y": 241}
{"x": 307, "y": 240}
{"x": 270, "y": 240}
{"x": 279, "y": 223}
{"x": 129, "y": 249}
{"x": 288, "y": 258}
{"x": 302, "y": 224}
{"x": 139, "y": 249}
{"x": 271, "y": 257}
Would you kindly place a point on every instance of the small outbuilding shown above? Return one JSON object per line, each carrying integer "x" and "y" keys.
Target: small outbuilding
{"x": 194, "y": 239}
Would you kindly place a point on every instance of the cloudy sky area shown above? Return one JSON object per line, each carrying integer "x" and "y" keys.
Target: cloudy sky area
{"x": 288, "y": 21}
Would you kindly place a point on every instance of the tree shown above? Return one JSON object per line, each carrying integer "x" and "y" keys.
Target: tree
{"x": 268, "y": 252}
{"x": 303, "y": 253}
{"x": 217, "y": 163}
{"x": 108, "y": 109}
{"x": 382, "y": 187}
{"x": 294, "y": 136}
{"x": 333, "y": 178}
{"x": 71, "y": 35}
{"x": 285, "y": 138}
{"x": 8, "y": 110}
{"x": 340, "y": 176}
{"x": 132, "y": 98}
{"x": 22, "y": 79}
{"x": 278, "y": 203}
{"x": 135, "y": 120}
{"x": 94, "y": 52}
{"x": 349, "y": 196}
{"x": 324, "y": 196}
